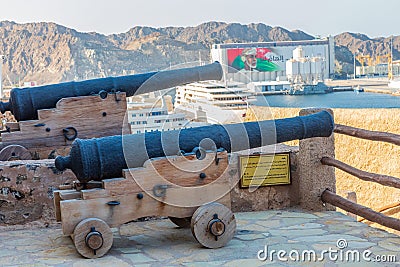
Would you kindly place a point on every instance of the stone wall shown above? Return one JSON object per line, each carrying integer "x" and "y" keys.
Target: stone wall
{"x": 26, "y": 190}
{"x": 315, "y": 177}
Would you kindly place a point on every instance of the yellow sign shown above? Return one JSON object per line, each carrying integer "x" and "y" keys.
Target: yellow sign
{"x": 264, "y": 169}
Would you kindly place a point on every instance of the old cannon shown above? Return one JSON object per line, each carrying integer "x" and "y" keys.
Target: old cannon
{"x": 185, "y": 175}
{"x": 50, "y": 117}
{"x": 103, "y": 158}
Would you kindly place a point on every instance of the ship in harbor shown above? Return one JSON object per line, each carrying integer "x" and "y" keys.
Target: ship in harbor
{"x": 214, "y": 102}
{"x": 288, "y": 88}
{"x": 395, "y": 84}
{"x": 154, "y": 112}
{"x": 309, "y": 89}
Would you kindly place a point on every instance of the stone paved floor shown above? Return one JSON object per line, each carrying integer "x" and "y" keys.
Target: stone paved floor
{"x": 159, "y": 243}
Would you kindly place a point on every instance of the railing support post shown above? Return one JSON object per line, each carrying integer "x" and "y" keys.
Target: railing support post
{"x": 315, "y": 177}
{"x": 351, "y": 196}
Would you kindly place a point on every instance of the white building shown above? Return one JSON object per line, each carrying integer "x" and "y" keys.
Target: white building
{"x": 148, "y": 114}
{"x": 378, "y": 70}
{"x": 303, "y": 68}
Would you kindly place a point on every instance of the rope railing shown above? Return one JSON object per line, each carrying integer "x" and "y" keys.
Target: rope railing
{"x": 366, "y": 134}
{"x": 363, "y": 175}
{"x": 367, "y": 213}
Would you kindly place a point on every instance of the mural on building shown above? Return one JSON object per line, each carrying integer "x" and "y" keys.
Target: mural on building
{"x": 253, "y": 59}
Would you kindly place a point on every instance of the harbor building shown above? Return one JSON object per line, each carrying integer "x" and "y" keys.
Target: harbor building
{"x": 267, "y": 61}
{"x": 148, "y": 113}
{"x": 302, "y": 68}
{"x": 305, "y": 74}
{"x": 380, "y": 69}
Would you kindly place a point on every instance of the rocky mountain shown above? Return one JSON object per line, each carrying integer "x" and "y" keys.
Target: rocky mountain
{"x": 349, "y": 44}
{"x": 49, "y": 53}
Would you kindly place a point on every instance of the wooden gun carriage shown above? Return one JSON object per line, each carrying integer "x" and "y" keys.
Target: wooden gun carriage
{"x": 165, "y": 187}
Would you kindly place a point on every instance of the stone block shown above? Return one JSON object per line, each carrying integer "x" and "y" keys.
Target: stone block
{"x": 267, "y": 197}
{"x": 26, "y": 190}
{"x": 315, "y": 177}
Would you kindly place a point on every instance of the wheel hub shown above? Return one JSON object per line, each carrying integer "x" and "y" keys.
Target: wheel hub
{"x": 216, "y": 226}
{"x": 94, "y": 239}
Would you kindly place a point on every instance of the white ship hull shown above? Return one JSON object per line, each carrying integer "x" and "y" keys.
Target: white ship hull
{"x": 212, "y": 114}
{"x": 394, "y": 84}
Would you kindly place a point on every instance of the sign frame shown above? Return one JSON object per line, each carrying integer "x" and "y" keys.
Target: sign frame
{"x": 245, "y": 182}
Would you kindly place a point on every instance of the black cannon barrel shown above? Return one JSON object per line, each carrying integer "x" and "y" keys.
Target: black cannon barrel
{"x": 25, "y": 102}
{"x": 102, "y": 158}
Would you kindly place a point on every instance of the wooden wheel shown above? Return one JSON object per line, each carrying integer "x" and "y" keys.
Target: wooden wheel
{"x": 92, "y": 238}
{"x": 181, "y": 222}
{"x": 14, "y": 152}
{"x": 213, "y": 225}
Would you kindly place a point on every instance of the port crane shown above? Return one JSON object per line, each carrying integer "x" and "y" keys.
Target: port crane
{"x": 388, "y": 60}
{"x": 364, "y": 59}
{"x": 369, "y": 61}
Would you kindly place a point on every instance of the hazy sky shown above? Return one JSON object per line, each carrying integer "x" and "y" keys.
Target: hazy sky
{"x": 315, "y": 17}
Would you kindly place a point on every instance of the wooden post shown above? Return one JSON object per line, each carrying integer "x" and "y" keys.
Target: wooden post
{"x": 351, "y": 196}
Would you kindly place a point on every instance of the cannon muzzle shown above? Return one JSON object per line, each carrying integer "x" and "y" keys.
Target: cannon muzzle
{"x": 25, "y": 102}
{"x": 103, "y": 158}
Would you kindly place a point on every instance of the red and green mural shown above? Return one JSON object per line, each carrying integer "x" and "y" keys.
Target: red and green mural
{"x": 253, "y": 59}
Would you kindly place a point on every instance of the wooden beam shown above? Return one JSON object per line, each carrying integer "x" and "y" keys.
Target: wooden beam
{"x": 384, "y": 209}
{"x": 369, "y": 135}
{"x": 367, "y": 213}
{"x": 363, "y": 175}
{"x": 129, "y": 207}
{"x": 91, "y": 116}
